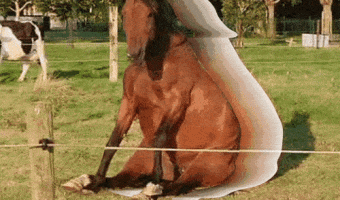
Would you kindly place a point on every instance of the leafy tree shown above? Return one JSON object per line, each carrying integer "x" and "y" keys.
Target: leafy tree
{"x": 271, "y": 27}
{"x": 89, "y": 9}
{"x": 5, "y": 7}
{"x": 244, "y": 14}
{"x": 16, "y": 6}
{"x": 67, "y": 9}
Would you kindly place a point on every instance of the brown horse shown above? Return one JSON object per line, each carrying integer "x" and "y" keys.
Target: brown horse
{"x": 178, "y": 106}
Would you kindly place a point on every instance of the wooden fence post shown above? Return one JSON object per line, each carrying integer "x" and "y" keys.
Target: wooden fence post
{"x": 39, "y": 126}
{"x": 113, "y": 34}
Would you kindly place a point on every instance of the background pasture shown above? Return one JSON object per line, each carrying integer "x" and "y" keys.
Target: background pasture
{"x": 303, "y": 83}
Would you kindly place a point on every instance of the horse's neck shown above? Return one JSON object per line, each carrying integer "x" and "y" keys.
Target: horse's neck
{"x": 155, "y": 68}
{"x": 158, "y": 51}
{"x": 177, "y": 39}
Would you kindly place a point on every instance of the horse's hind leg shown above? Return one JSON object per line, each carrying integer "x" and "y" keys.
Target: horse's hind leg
{"x": 207, "y": 170}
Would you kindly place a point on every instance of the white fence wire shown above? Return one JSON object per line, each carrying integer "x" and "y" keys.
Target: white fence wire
{"x": 172, "y": 149}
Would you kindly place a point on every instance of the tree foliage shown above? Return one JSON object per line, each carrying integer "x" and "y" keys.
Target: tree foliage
{"x": 5, "y": 7}
{"x": 244, "y": 15}
{"x": 8, "y": 7}
{"x": 292, "y": 2}
{"x": 80, "y": 9}
{"x": 249, "y": 12}
{"x": 252, "y": 15}
{"x": 67, "y": 9}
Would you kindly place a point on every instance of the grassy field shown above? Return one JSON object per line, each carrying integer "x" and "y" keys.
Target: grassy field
{"x": 304, "y": 85}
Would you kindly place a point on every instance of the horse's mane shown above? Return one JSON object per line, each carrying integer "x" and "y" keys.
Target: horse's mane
{"x": 165, "y": 17}
{"x": 166, "y": 25}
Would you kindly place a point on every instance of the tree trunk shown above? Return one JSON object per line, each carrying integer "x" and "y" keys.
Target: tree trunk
{"x": 271, "y": 33}
{"x": 70, "y": 24}
{"x": 240, "y": 32}
{"x": 17, "y": 11}
{"x": 327, "y": 18}
{"x": 113, "y": 29}
{"x": 271, "y": 21}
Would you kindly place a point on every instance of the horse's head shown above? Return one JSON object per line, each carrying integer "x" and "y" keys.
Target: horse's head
{"x": 144, "y": 22}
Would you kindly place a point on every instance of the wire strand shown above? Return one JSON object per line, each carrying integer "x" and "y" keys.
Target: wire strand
{"x": 179, "y": 150}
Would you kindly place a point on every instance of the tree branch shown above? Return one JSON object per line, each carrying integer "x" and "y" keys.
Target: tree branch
{"x": 243, "y": 7}
{"x": 28, "y": 2}
{"x": 272, "y": 2}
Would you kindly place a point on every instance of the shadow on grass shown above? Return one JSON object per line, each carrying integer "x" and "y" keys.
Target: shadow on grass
{"x": 9, "y": 76}
{"x": 296, "y": 136}
{"x": 101, "y": 72}
{"x": 65, "y": 73}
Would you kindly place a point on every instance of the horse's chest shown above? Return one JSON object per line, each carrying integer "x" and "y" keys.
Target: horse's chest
{"x": 154, "y": 93}
{"x": 151, "y": 96}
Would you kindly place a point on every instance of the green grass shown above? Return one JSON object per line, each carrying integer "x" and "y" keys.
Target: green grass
{"x": 304, "y": 85}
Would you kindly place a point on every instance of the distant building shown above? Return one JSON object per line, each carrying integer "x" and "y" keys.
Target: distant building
{"x": 31, "y": 13}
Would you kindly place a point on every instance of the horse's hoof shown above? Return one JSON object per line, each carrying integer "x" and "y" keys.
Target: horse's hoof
{"x": 78, "y": 184}
{"x": 152, "y": 190}
{"x": 140, "y": 196}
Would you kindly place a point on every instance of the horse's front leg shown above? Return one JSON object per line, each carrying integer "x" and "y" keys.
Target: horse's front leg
{"x": 160, "y": 142}
{"x": 126, "y": 115}
{"x": 167, "y": 126}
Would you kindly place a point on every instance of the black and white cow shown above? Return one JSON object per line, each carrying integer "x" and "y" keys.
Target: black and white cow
{"x": 23, "y": 41}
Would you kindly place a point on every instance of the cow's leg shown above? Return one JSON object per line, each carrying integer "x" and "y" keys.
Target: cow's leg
{"x": 126, "y": 115}
{"x": 3, "y": 53}
{"x": 25, "y": 67}
{"x": 43, "y": 63}
{"x": 42, "y": 57}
